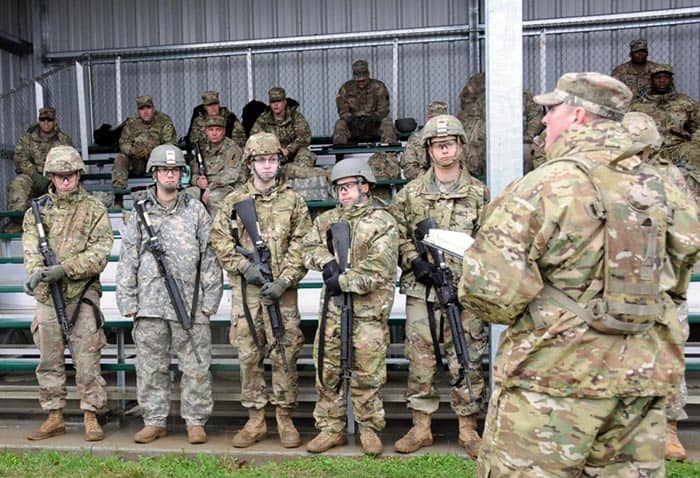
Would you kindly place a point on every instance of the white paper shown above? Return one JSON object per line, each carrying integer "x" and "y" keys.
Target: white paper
{"x": 450, "y": 242}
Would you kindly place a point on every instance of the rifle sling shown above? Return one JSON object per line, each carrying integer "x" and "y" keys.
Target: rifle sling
{"x": 322, "y": 338}
{"x": 249, "y": 320}
{"x": 99, "y": 322}
{"x": 433, "y": 331}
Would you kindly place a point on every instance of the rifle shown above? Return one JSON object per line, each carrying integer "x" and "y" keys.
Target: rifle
{"x": 155, "y": 246}
{"x": 202, "y": 169}
{"x": 447, "y": 297}
{"x": 261, "y": 256}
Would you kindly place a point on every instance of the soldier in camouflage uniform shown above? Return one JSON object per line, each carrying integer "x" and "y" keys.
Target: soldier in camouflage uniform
{"x": 363, "y": 107}
{"x": 372, "y": 260}
{"x": 30, "y": 154}
{"x": 223, "y": 164}
{"x": 635, "y": 73}
{"x": 182, "y": 225}
{"x": 210, "y": 106}
{"x": 140, "y": 135}
{"x": 79, "y": 233}
{"x": 676, "y": 115}
{"x": 456, "y": 201}
{"x": 571, "y": 399}
{"x": 414, "y": 160}
{"x": 283, "y": 219}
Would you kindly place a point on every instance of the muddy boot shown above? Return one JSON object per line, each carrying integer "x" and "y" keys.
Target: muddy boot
{"x": 53, "y": 426}
{"x": 674, "y": 448}
{"x": 254, "y": 430}
{"x": 371, "y": 443}
{"x": 418, "y": 436}
{"x": 196, "y": 434}
{"x": 324, "y": 441}
{"x": 289, "y": 436}
{"x": 469, "y": 438}
{"x": 93, "y": 430}
{"x": 149, "y": 433}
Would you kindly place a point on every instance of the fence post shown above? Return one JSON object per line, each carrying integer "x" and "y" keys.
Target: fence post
{"x": 249, "y": 70}
{"x": 118, "y": 87}
{"x": 543, "y": 61}
{"x": 82, "y": 110}
{"x": 38, "y": 97}
{"x": 395, "y": 79}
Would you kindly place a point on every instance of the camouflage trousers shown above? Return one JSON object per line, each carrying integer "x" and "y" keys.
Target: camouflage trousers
{"x": 370, "y": 340}
{"x": 675, "y": 403}
{"x": 344, "y": 132}
{"x": 86, "y": 342}
{"x": 254, "y": 393}
{"x": 21, "y": 190}
{"x": 156, "y": 341}
{"x": 304, "y": 157}
{"x": 534, "y": 434}
{"x": 125, "y": 166}
{"x": 422, "y": 370}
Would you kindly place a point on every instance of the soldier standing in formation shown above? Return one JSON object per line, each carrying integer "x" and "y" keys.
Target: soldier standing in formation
{"x": 565, "y": 371}
{"x": 370, "y": 277}
{"x": 415, "y": 160}
{"x": 635, "y": 73}
{"x": 283, "y": 219}
{"x": 30, "y": 155}
{"x": 210, "y": 107}
{"x": 182, "y": 225}
{"x": 79, "y": 233}
{"x": 448, "y": 194}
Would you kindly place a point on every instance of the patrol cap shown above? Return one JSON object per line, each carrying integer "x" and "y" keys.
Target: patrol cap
{"x": 662, "y": 68}
{"x": 360, "y": 70}
{"x": 144, "y": 100}
{"x": 63, "y": 159}
{"x": 47, "y": 113}
{"x": 437, "y": 108}
{"x": 277, "y": 93}
{"x": 595, "y": 92}
{"x": 636, "y": 45}
{"x": 210, "y": 97}
{"x": 215, "y": 120}
{"x": 642, "y": 128}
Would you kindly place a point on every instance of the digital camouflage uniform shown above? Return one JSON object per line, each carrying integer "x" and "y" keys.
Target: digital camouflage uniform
{"x": 283, "y": 219}
{"x": 372, "y": 262}
{"x": 80, "y": 234}
{"x": 459, "y": 209}
{"x": 414, "y": 159}
{"x": 184, "y": 232}
{"x": 569, "y": 399}
{"x": 237, "y": 132}
{"x": 293, "y": 132}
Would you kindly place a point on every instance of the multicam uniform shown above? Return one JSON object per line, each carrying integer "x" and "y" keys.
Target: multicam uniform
{"x": 636, "y": 77}
{"x": 354, "y": 102}
{"x": 293, "y": 132}
{"x": 234, "y": 129}
{"x": 414, "y": 159}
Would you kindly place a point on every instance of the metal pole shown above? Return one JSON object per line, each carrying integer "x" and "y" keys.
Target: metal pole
{"x": 38, "y": 97}
{"x": 395, "y": 79}
{"x": 90, "y": 118}
{"x": 474, "y": 54}
{"x": 543, "y": 61}
{"x": 82, "y": 110}
{"x": 118, "y": 87}
{"x": 249, "y": 69}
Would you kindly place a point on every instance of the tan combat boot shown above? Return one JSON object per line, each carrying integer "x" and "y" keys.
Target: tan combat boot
{"x": 149, "y": 433}
{"x": 289, "y": 436}
{"x": 324, "y": 441}
{"x": 469, "y": 438}
{"x": 371, "y": 443}
{"x": 93, "y": 430}
{"x": 53, "y": 426}
{"x": 196, "y": 434}
{"x": 674, "y": 448}
{"x": 418, "y": 436}
{"x": 254, "y": 430}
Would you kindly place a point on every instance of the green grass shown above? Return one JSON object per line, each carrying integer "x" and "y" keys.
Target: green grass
{"x": 55, "y": 464}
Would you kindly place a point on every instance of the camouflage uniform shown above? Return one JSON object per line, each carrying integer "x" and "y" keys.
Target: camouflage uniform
{"x": 80, "y": 234}
{"x": 184, "y": 232}
{"x": 575, "y": 400}
{"x": 237, "y": 133}
{"x": 635, "y": 76}
{"x": 459, "y": 209}
{"x": 373, "y": 260}
{"x": 293, "y": 132}
{"x": 414, "y": 160}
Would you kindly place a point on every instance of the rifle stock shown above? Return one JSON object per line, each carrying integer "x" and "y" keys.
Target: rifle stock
{"x": 200, "y": 161}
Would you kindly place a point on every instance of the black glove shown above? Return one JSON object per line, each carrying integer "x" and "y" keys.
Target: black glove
{"x": 252, "y": 274}
{"x": 330, "y": 269}
{"x": 333, "y": 284}
{"x": 422, "y": 269}
{"x": 41, "y": 182}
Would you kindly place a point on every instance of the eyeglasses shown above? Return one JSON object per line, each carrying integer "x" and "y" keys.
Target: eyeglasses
{"x": 346, "y": 187}
{"x": 46, "y": 119}
{"x": 166, "y": 171}
{"x": 449, "y": 144}
{"x": 267, "y": 159}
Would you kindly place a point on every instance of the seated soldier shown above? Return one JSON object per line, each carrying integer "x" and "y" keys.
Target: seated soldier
{"x": 414, "y": 160}
{"x": 211, "y": 106}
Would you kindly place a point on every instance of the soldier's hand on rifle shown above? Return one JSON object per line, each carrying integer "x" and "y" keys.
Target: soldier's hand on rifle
{"x": 53, "y": 273}
{"x": 330, "y": 268}
{"x": 155, "y": 247}
{"x": 253, "y": 274}
{"x": 31, "y": 283}
{"x": 423, "y": 270}
{"x": 273, "y": 290}
{"x": 333, "y": 284}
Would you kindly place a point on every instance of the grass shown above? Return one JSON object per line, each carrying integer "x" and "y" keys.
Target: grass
{"x": 59, "y": 465}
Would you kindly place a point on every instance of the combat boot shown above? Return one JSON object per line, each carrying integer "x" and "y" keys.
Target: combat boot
{"x": 371, "y": 443}
{"x": 289, "y": 436}
{"x": 324, "y": 441}
{"x": 254, "y": 430}
{"x": 196, "y": 434}
{"x": 149, "y": 433}
{"x": 674, "y": 448}
{"x": 53, "y": 426}
{"x": 418, "y": 436}
{"x": 469, "y": 438}
{"x": 93, "y": 430}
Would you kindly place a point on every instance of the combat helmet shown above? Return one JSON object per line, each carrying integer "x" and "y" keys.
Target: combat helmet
{"x": 352, "y": 167}
{"x": 167, "y": 155}
{"x": 443, "y": 125}
{"x": 261, "y": 144}
{"x": 62, "y": 160}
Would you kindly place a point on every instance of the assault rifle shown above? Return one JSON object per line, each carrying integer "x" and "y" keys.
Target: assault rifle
{"x": 261, "y": 256}
{"x": 202, "y": 169}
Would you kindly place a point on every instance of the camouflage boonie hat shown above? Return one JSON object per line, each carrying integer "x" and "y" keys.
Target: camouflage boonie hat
{"x": 47, "y": 113}
{"x": 642, "y": 128}
{"x": 360, "y": 70}
{"x": 277, "y": 93}
{"x": 595, "y": 92}
{"x": 215, "y": 120}
{"x": 437, "y": 108}
{"x": 210, "y": 97}
{"x": 261, "y": 144}
{"x": 144, "y": 100}
{"x": 636, "y": 45}
{"x": 661, "y": 68}
{"x": 63, "y": 159}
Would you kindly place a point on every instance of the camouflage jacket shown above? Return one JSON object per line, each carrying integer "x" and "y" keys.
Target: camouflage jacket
{"x": 353, "y": 101}
{"x": 373, "y": 256}
{"x": 223, "y": 163}
{"x": 79, "y": 233}
{"x": 136, "y": 132}
{"x": 234, "y": 129}
{"x": 676, "y": 115}
{"x": 540, "y": 230}
{"x": 293, "y": 131}
{"x": 283, "y": 219}
{"x": 184, "y": 232}
{"x": 32, "y": 147}
{"x": 459, "y": 210}
{"x": 414, "y": 158}
{"x": 635, "y": 77}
